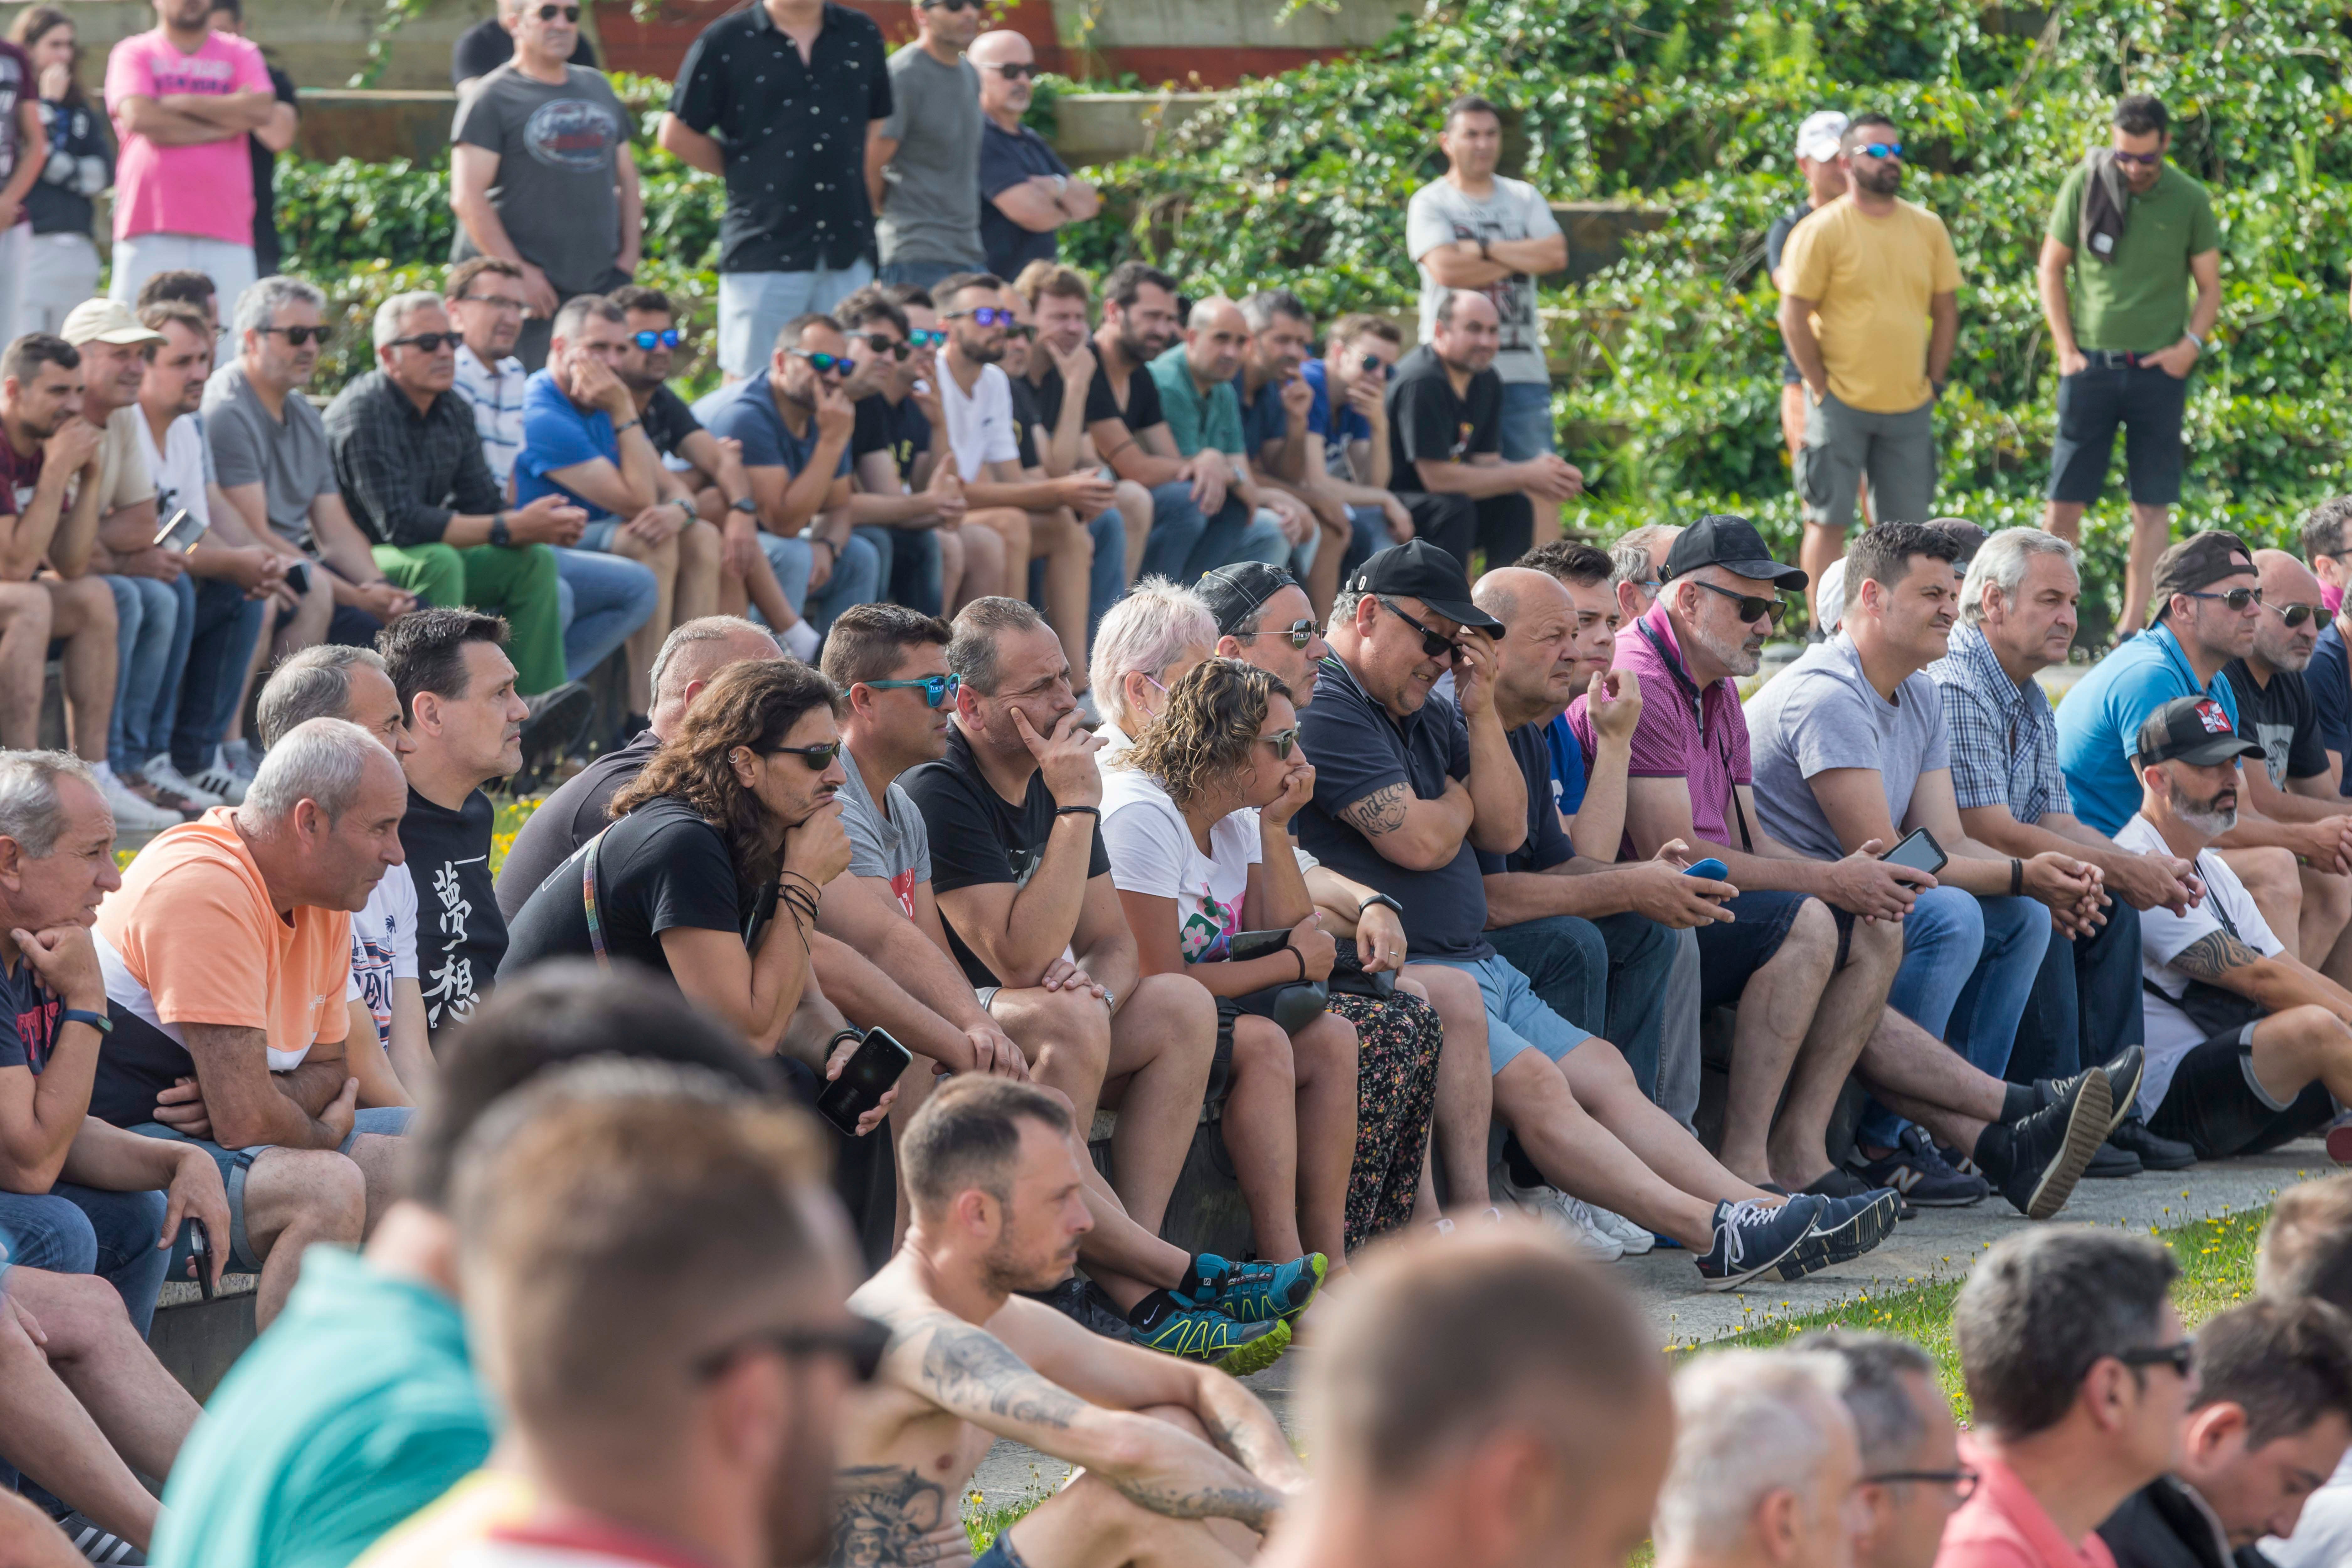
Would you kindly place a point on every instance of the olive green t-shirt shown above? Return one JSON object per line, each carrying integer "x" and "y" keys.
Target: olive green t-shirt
{"x": 2140, "y": 302}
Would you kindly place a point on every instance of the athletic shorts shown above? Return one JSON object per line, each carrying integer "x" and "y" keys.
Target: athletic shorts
{"x": 2216, "y": 1106}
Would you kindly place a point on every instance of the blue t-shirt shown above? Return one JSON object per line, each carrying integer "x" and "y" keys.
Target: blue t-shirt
{"x": 28, "y": 1019}
{"x": 1547, "y": 844}
{"x": 1262, "y": 420}
{"x": 1352, "y": 425}
{"x": 746, "y": 412}
{"x": 2099, "y": 720}
{"x": 558, "y": 434}
{"x": 2329, "y": 677}
{"x": 1567, "y": 766}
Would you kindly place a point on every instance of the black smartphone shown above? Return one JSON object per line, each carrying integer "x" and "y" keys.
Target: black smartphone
{"x": 1919, "y": 851}
{"x": 1245, "y": 946}
{"x": 863, "y": 1081}
{"x": 298, "y": 576}
{"x": 200, "y": 1254}
{"x": 182, "y": 532}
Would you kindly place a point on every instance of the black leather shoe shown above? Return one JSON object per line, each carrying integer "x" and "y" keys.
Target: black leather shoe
{"x": 2109, "y": 1162}
{"x": 2155, "y": 1153}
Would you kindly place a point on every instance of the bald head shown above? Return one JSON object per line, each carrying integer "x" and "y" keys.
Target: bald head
{"x": 2287, "y": 586}
{"x": 1507, "y": 590}
{"x": 695, "y": 652}
{"x": 1003, "y": 46}
{"x": 1468, "y": 332}
{"x": 1215, "y": 337}
{"x": 1004, "y": 93}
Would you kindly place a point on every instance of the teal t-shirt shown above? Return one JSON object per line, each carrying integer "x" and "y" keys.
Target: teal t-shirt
{"x": 1196, "y": 421}
{"x": 357, "y": 1409}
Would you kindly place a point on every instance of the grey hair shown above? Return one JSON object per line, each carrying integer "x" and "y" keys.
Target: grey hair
{"x": 702, "y": 628}
{"x": 1885, "y": 1420}
{"x": 1149, "y": 630}
{"x": 393, "y": 314}
{"x": 2002, "y": 561}
{"x": 576, "y": 311}
{"x": 1261, "y": 307}
{"x": 1629, "y": 556}
{"x": 1343, "y": 610}
{"x": 257, "y": 306}
{"x": 972, "y": 653}
{"x": 31, "y": 812}
{"x": 1746, "y": 1424}
{"x": 315, "y": 683}
{"x": 321, "y": 759}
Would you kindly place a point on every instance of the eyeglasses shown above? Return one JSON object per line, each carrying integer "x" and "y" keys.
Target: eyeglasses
{"x": 429, "y": 341}
{"x": 1282, "y": 741}
{"x": 1017, "y": 331}
{"x": 1752, "y": 606}
{"x": 1299, "y": 635}
{"x": 2293, "y": 615}
{"x": 1014, "y": 71}
{"x": 2237, "y": 599}
{"x": 936, "y": 689}
{"x": 2145, "y": 160}
{"x": 2180, "y": 1355}
{"x": 818, "y": 757}
{"x": 826, "y": 364}
{"x": 924, "y": 338}
{"x": 983, "y": 316}
{"x": 1963, "y": 1482}
{"x": 550, "y": 12}
{"x": 495, "y": 301}
{"x": 859, "y": 1343}
{"x": 667, "y": 339}
{"x": 298, "y": 336}
{"x": 1432, "y": 644}
{"x": 884, "y": 343}
{"x": 1882, "y": 149}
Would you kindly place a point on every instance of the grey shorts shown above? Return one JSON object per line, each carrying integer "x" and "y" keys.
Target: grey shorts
{"x": 1897, "y": 452}
{"x": 389, "y": 1122}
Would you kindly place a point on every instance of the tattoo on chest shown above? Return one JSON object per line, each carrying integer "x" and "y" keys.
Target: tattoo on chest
{"x": 883, "y": 1515}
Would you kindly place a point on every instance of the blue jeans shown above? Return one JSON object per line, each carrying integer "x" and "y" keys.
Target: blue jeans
{"x": 603, "y": 599}
{"x": 909, "y": 564}
{"x": 857, "y": 578}
{"x": 1610, "y": 972}
{"x": 74, "y": 1229}
{"x": 2086, "y": 1002}
{"x": 1527, "y": 428}
{"x": 221, "y": 638}
{"x": 1184, "y": 542}
{"x": 1969, "y": 965}
{"x": 147, "y": 622}
{"x": 1369, "y": 537}
{"x": 754, "y": 306}
{"x": 927, "y": 274}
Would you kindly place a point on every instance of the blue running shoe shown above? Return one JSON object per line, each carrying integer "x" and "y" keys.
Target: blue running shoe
{"x": 1849, "y": 1228}
{"x": 1750, "y": 1239}
{"x": 1198, "y": 1335}
{"x": 1254, "y": 1292}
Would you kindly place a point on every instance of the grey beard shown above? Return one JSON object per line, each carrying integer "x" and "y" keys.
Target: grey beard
{"x": 2212, "y": 823}
{"x": 1734, "y": 657}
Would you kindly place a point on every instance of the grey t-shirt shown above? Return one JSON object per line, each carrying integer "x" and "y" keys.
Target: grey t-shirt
{"x": 558, "y": 190}
{"x": 930, "y": 205}
{"x": 288, "y": 456}
{"x": 893, "y": 843}
{"x": 1441, "y": 215}
{"x": 1822, "y": 712}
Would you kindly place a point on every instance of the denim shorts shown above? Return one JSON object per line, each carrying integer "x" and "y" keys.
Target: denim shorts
{"x": 1516, "y": 1019}
{"x": 1731, "y": 951}
{"x": 390, "y": 1122}
{"x": 599, "y": 535}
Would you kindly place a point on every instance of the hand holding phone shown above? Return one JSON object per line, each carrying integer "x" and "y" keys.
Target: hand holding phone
{"x": 869, "y": 1074}
{"x": 1713, "y": 869}
{"x": 181, "y": 532}
{"x": 1919, "y": 851}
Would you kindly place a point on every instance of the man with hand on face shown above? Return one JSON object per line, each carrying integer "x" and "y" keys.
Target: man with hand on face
{"x": 1277, "y": 408}
{"x": 1027, "y": 191}
{"x": 1061, "y": 396}
{"x": 904, "y": 501}
{"x": 1347, "y": 432}
{"x": 1912, "y": 1478}
{"x": 1196, "y": 381}
{"x": 1766, "y": 1463}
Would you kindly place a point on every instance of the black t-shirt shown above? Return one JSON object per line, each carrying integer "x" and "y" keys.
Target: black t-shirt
{"x": 1030, "y": 431}
{"x": 2282, "y": 719}
{"x": 565, "y": 820}
{"x": 1547, "y": 843}
{"x": 485, "y": 47}
{"x": 1776, "y": 240}
{"x": 1009, "y": 158}
{"x": 668, "y": 421}
{"x": 265, "y": 248}
{"x": 1048, "y": 393}
{"x": 1143, "y": 410}
{"x": 461, "y": 934}
{"x": 898, "y": 428}
{"x": 661, "y": 868}
{"x": 1427, "y": 422}
{"x": 978, "y": 837}
{"x": 1358, "y": 749}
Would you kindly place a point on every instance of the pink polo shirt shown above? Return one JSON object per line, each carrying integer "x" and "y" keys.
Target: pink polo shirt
{"x": 1701, "y": 736}
{"x": 2003, "y": 1525}
{"x": 204, "y": 189}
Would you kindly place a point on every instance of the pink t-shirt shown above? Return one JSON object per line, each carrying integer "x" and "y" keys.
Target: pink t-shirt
{"x": 207, "y": 189}
{"x": 1704, "y": 740}
{"x": 2002, "y": 1525}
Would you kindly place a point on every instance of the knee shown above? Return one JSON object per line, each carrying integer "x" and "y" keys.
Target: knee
{"x": 1812, "y": 941}
{"x": 95, "y": 601}
{"x": 1262, "y": 1052}
{"x": 2314, "y": 1029}
{"x": 2271, "y": 867}
{"x": 539, "y": 569}
{"x": 697, "y": 543}
{"x": 1328, "y": 1045}
{"x": 2327, "y": 891}
{"x": 1945, "y": 916}
{"x": 319, "y": 1189}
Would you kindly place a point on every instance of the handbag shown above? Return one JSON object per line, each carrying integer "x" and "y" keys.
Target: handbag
{"x": 2214, "y": 1009}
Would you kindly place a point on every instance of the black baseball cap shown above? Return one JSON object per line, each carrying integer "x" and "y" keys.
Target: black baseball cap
{"x": 1420, "y": 570}
{"x": 1234, "y": 593}
{"x": 2199, "y": 562}
{"x": 2194, "y": 730}
{"x": 1721, "y": 539}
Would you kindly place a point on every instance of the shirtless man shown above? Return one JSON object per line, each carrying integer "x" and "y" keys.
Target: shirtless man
{"x": 1180, "y": 1464}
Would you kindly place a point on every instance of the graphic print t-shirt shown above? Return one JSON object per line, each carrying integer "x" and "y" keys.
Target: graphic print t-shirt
{"x": 460, "y": 935}
{"x": 384, "y": 948}
{"x": 557, "y": 192}
{"x": 28, "y": 1019}
{"x": 1152, "y": 852}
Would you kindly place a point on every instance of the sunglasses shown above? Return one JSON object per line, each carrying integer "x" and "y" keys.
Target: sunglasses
{"x": 984, "y": 315}
{"x": 550, "y": 12}
{"x": 1298, "y": 633}
{"x": 1374, "y": 365}
{"x": 298, "y": 336}
{"x": 429, "y": 341}
{"x": 1283, "y": 741}
{"x": 859, "y": 1343}
{"x": 2236, "y": 599}
{"x": 1017, "y": 331}
{"x": 1013, "y": 72}
{"x": 818, "y": 757}
{"x": 923, "y": 338}
{"x": 825, "y": 364}
{"x": 1432, "y": 644}
{"x": 936, "y": 689}
{"x": 1882, "y": 149}
{"x": 945, "y": 5}
{"x": 1963, "y": 1482}
{"x": 2293, "y": 615}
{"x": 667, "y": 338}
{"x": 883, "y": 344}
{"x": 2180, "y": 1355}
{"x": 1751, "y": 607}
{"x": 2143, "y": 160}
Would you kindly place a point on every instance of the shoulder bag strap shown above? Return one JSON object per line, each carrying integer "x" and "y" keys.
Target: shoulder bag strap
{"x": 590, "y": 854}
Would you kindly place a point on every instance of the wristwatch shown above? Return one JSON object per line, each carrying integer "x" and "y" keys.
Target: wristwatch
{"x": 99, "y": 1021}
{"x": 1379, "y": 899}
{"x": 501, "y": 534}
{"x": 745, "y": 505}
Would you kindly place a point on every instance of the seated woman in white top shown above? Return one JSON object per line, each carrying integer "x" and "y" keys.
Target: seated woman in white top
{"x": 1196, "y": 816}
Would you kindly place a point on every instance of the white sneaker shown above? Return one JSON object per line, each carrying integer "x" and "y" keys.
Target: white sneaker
{"x": 219, "y": 779}
{"x": 1569, "y": 1216}
{"x": 239, "y": 757}
{"x": 1635, "y": 1238}
{"x": 132, "y": 815}
{"x": 160, "y": 773}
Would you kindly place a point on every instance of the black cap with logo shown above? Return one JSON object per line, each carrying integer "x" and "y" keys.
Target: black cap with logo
{"x": 1732, "y": 543}
{"x": 1420, "y": 570}
{"x": 1234, "y": 593}
{"x": 2193, "y": 730}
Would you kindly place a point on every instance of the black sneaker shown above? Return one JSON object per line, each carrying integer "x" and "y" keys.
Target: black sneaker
{"x": 1920, "y": 1174}
{"x": 1849, "y": 1228}
{"x": 1750, "y": 1239}
{"x": 96, "y": 1545}
{"x": 1086, "y": 1303}
{"x": 559, "y": 717}
{"x": 2124, "y": 1075}
{"x": 2109, "y": 1163}
{"x": 2156, "y": 1154}
{"x": 2038, "y": 1160}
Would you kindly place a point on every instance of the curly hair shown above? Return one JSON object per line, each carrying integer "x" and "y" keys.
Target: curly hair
{"x": 1207, "y": 730}
{"x": 754, "y": 704}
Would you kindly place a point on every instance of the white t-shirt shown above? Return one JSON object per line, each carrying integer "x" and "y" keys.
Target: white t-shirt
{"x": 2162, "y": 934}
{"x": 980, "y": 427}
{"x": 2323, "y": 1536}
{"x": 1439, "y": 213}
{"x": 384, "y": 948}
{"x": 1152, "y": 852}
{"x": 178, "y": 469}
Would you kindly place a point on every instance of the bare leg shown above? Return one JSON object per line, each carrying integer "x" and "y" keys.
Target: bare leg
{"x": 294, "y": 1197}
{"x": 1262, "y": 1133}
{"x": 52, "y": 1438}
{"x": 1465, "y": 1084}
{"x": 952, "y": 565}
{"x": 1603, "y": 1084}
{"x": 24, "y": 651}
{"x": 96, "y": 1353}
{"x": 82, "y": 611}
{"x": 1323, "y": 1056}
{"x": 1849, "y": 1006}
{"x": 1918, "y": 1077}
{"x": 2326, "y": 911}
{"x": 1066, "y": 1034}
{"x": 1134, "y": 503}
{"x": 382, "y": 1167}
{"x": 1323, "y": 578}
{"x": 1792, "y": 415}
{"x": 1127, "y": 1261}
{"x": 1011, "y": 527}
{"x": 1070, "y": 553}
{"x": 2303, "y": 1045}
{"x": 983, "y": 563}
{"x": 1776, "y": 1008}
{"x": 1578, "y": 1156}
{"x": 2064, "y": 519}
{"x": 697, "y": 577}
{"x": 1821, "y": 545}
{"x": 1089, "y": 1524}
{"x": 2151, "y": 531}
{"x": 646, "y": 640}
{"x": 1161, "y": 1042}
{"x": 2272, "y": 881}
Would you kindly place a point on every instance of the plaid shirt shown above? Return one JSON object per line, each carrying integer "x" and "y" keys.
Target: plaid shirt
{"x": 402, "y": 473}
{"x": 2004, "y": 738}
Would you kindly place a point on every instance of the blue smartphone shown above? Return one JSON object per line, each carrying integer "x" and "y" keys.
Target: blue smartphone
{"x": 1709, "y": 867}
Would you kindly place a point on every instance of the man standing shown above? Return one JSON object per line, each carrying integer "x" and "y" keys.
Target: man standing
{"x": 1445, "y": 441}
{"x": 1195, "y": 378}
{"x": 782, "y": 99}
{"x": 264, "y": 142}
{"x": 184, "y": 98}
{"x": 1861, "y": 283}
{"x": 1027, "y": 191}
{"x": 24, "y": 153}
{"x": 2137, "y": 231}
{"x": 1826, "y": 181}
{"x": 1476, "y": 230}
{"x": 541, "y": 171}
{"x": 923, "y": 169}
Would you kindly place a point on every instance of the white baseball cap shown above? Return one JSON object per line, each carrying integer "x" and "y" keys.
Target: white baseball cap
{"x": 1818, "y": 137}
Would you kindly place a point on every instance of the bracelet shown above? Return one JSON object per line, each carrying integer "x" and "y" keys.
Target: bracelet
{"x": 844, "y": 1033}
{"x": 99, "y": 1021}
{"x": 2016, "y": 876}
{"x": 2193, "y": 338}
{"x": 1302, "y": 961}
{"x": 811, "y": 881}
{"x": 1093, "y": 811}
{"x": 620, "y": 430}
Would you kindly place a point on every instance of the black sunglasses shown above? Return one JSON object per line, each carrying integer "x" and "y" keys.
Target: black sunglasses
{"x": 825, "y": 364}
{"x": 2180, "y": 1355}
{"x": 1752, "y": 606}
{"x": 945, "y": 5}
{"x": 668, "y": 338}
{"x": 2293, "y": 615}
{"x": 936, "y": 689}
{"x": 1298, "y": 635}
{"x": 884, "y": 343}
{"x": 859, "y": 1343}
{"x": 298, "y": 336}
{"x": 1963, "y": 1482}
{"x": 1432, "y": 644}
{"x": 1374, "y": 365}
{"x": 818, "y": 757}
{"x": 429, "y": 341}
{"x": 1015, "y": 71}
{"x": 2236, "y": 599}
{"x": 550, "y": 12}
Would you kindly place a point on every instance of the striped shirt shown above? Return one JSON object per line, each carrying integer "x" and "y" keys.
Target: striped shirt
{"x": 2004, "y": 737}
{"x": 1684, "y": 733}
{"x": 497, "y": 398}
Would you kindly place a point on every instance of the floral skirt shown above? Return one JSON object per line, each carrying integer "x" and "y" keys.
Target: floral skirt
{"x": 1398, "y": 1037}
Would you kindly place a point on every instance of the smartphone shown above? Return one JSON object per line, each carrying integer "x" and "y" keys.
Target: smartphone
{"x": 863, "y": 1081}
{"x": 1245, "y": 945}
{"x": 298, "y": 576}
{"x": 1710, "y": 868}
{"x": 1919, "y": 851}
{"x": 200, "y": 1253}
{"x": 182, "y": 532}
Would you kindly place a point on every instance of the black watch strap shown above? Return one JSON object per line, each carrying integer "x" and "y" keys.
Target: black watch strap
{"x": 1379, "y": 898}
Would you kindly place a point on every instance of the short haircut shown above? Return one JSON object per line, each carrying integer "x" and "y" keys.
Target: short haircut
{"x": 702, "y": 629}
{"x": 457, "y": 286}
{"x": 315, "y": 683}
{"x": 2002, "y": 561}
{"x": 1853, "y": 136}
{"x": 1471, "y": 103}
{"x": 257, "y": 306}
{"x": 865, "y": 642}
{"x": 953, "y": 284}
{"x": 1631, "y": 559}
{"x": 1260, "y": 309}
{"x": 1571, "y": 560}
{"x": 393, "y": 314}
{"x": 906, "y": 294}
{"x": 2042, "y": 1309}
{"x": 789, "y": 335}
{"x": 1455, "y": 297}
{"x": 1040, "y": 278}
{"x": 178, "y": 284}
{"x": 2306, "y": 1246}
{"x": 1127, "y": 281}
{"x": 967, "y": 1135}
{"x": 1885, "y": 1422}
{"x": 426, "y": 651}
{"x": 2142, "y": 114}
{"x": 1883, "y": 554}
{"x": 165, "y": 312}
{"x": 579, "y": 310}
{"x": 638, "y": 297}
{"x": 2287, "y": 1363}
{"x": 1358, "y": 326}
{"x": 234, "y": 7}
{"x": 1148, "y": 630}
{"x": 868, "y": 305}
{"x": 2323, "y": 529}
{"x": 566, "y": 1011}
{"x": 324, "y": 760}
{"x": 32, "y": 812}
{"x": 972, "y": 651}
{"x": 1746, "y": 1424}
{"x": 29, "y": 353}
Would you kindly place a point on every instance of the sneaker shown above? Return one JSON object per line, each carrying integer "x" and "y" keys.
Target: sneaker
{"x": 2157, "y": 1154}
{"x": 1202, "y": 1335}
{"x": 1959, "y": 1162}
{"x": 2339, "y": 1142}
{"x": 1921, "y": 1175}
{"x": 2037, "y": 1160}
{"x": 2123, "y": 1074}
{"x": 1637, "y": 1239}
{"x": 160, "y": 773}
{"x": 218, "y": 778}
{"x": 559, "y": 717}
{"x": 2111, "y": 1162}
{"x": 96, "y": 1545}
{"x": 1750, "y": 1239}
{"x": 1086, "y": 1303}
{"x": 132, "y": 814}
{"x": 1255, "y": 1292}
{"x": 1555, "y": 1210}
{"x": 240, "y": 758}
{"x": 1848, "y": 1228}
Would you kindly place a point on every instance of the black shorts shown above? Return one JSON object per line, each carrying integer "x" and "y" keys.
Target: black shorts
{"x": 2149, "y": 402}
{"x": 1730, "y": 952}
{"x": 2215, "y": 1105}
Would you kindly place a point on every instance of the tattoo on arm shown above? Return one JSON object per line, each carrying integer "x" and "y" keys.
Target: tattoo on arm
{"x": 1382, "y": 811}
{"x": 1255, "y": 1506}
{"x": 2214, "y": 954}
{"x": 965, "y": 1367}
